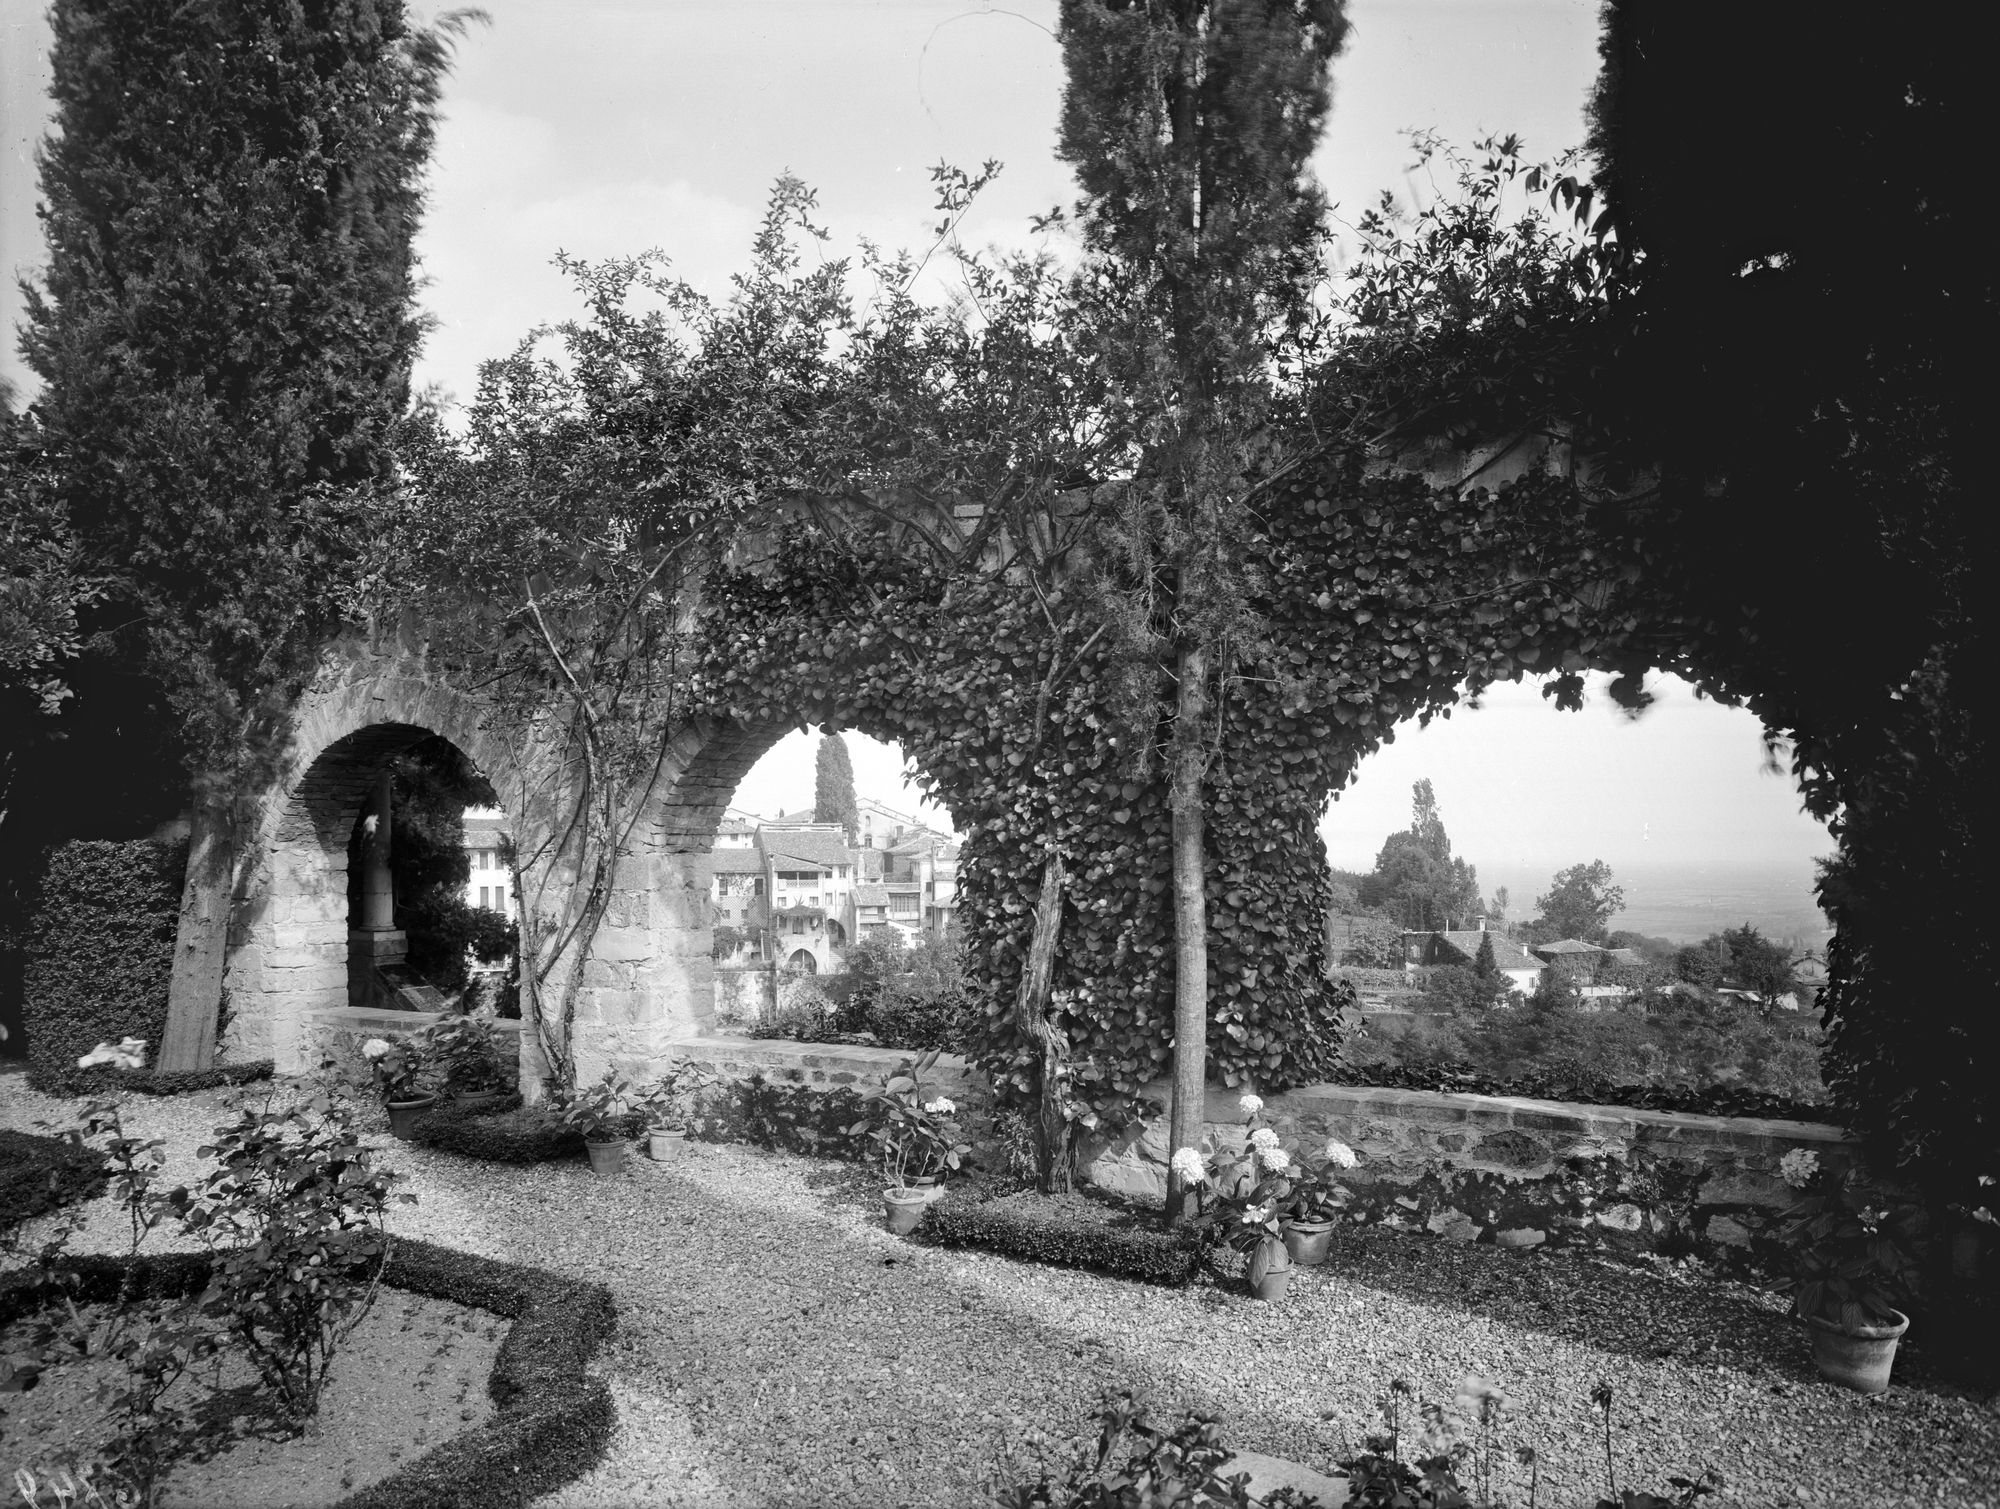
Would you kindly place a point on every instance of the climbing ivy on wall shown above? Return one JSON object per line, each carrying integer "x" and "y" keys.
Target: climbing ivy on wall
{"x": 1392, "y": 595}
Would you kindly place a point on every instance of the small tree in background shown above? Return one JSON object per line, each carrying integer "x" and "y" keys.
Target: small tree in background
{"x": 833, "y": 787}
{"x": 1579, "y": 905}
{"x": 1484, "y": 964}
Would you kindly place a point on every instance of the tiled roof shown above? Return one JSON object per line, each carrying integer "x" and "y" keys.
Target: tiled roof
{"x": 485, "y": 827}
{"x": 870, "y": 895}
{"x": 1507, "y": 954}
{"x": 1568, "y": 946}
{"x": 737, "y": 861}
{"x": 828, "y": 849}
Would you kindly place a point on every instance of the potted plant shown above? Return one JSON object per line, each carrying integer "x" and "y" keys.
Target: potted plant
{"x": 599, "y": 1111}
{"x": 1315, "y": 1203}
{"x": 1848, "y": 1238}
{"x": 917, "y": 1136}
{"x": 669, "y": 1106}
{"x": 1240, "y": 1201}
{"x": 467, "y": 1053}
{"x": 398, "y": 1066}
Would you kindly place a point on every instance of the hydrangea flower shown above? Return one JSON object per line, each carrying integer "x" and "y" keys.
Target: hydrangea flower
{"x": 1251, "y": 1104}
{"x": 1257, "y": 1215}
{"x": 1190, "y": 1165}
{"x": 1798, "y": 1167}
{"x": 127, "y": 1053}
{"x": 940, "y": 1106}
{"x": 1263, "y": 1137}
{"x": 374, "y": 1048}
{"x": 1340, "y": 1154}
{"x": 1276, "y": 1159}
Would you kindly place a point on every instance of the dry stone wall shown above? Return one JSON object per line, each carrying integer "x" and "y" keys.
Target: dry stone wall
{"x": 1517, "y": 1172}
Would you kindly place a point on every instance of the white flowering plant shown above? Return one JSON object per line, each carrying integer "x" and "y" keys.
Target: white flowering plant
{"x": 1242, "y": 1199}
{"x": 1319, "y": 1193}
{"x": 913, "y": 1125}
{"x": 398, "y": 1064}
{"x": 1850, "y": 1240}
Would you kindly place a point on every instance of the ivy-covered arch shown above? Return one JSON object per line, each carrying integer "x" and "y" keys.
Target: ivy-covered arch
{"x": 1389, "y": 594}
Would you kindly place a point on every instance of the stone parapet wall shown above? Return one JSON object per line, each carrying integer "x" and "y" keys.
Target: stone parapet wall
{"x": 1515, "y": 1171}
{"x": 829, "y": 1066}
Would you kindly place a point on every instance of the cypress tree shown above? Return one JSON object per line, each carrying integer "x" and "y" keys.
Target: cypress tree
{"x": 833, "y": 786}
{"x": 225, "y": 332}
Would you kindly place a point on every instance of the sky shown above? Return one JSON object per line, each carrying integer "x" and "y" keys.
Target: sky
{"x": 610, "y": 127}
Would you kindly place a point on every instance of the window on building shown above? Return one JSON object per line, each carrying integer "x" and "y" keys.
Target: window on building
{"x": 903, "y": 904}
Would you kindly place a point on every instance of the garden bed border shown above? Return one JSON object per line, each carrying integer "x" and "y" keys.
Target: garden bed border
{"x": 552, "y": 1421}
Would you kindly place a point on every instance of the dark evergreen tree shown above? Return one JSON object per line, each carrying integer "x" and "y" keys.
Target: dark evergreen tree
{"x": 1484, "y": 963}
{"x": 833, "y": 786}
{"x": 225, "y": 331}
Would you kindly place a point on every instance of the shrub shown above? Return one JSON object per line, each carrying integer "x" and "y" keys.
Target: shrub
{"x": 1070, "y": 1231}
{"x": 298, "y": 1182}
{"x": 500, "y": 1131}
{"x": 100, "y": 955}
{"x": 40, "y": 1174}
{"x": 792, "y": 1118}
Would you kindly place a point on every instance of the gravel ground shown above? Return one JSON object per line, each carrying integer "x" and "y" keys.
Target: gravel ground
{"x": 777, "y": 1347}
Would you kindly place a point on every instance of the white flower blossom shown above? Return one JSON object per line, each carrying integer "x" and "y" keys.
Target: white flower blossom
{"x": 375, "y": 1048}
{"x": 1257, "y": 1215}
{"x": 1798, "y": 1167}
{"x": 1263, "y": 1137}
{"x": 1340, "y": 1154}
{"x": 1190, "y": 1165}
{"x": 127, "y": 1053}
{"x": 1276, "y": 1159}
{"x": 940, "y": 1106}
{"x": 1251, "y": 1104}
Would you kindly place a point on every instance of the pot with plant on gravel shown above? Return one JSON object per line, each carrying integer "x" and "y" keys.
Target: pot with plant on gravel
{"x": 1849, "y": 1239}
{"x": 669, "y": 1106}
{"x": 1240, "y": 1200}
{"x": 1317, "y": 1198}
{"x": 914, "y": 1128}
{"x": 398, "y": 1066}
{"x": 601, "y": 1112}
{"x": 467, "y": 1055}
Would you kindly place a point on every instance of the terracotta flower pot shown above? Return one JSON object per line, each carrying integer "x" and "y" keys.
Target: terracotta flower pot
{"x": 666, "y": 1143}
{"x": 403, "y": 1114}
{"x": 903, "y": 1208}
{"x": 1307, "y": 1241}
{"x": 1270, "y": 1271}
{"x": 1860, "y": 1357}
{"x": 606, "y": 1157}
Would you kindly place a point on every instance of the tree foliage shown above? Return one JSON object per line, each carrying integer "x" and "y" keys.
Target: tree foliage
{"x": 226, "y": 323}
{"x": 1416, "y": 880}
{"x": 1580, "y": 904}
{"x": 833, "y": 786}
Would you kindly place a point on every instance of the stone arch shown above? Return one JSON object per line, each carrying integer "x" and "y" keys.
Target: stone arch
{"x": 375, "y": 696}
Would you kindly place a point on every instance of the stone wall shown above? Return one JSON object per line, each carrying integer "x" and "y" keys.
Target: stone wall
{"x": 745, "y": 994}
{"x": 829, "y": 1066}
{"x": 1518, "y": 1172}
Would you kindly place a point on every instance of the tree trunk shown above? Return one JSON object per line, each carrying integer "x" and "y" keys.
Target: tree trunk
{"x": 1190, "y": 919}
{"x": 201, "y": 942}
{"x": 1054, "y": 1165}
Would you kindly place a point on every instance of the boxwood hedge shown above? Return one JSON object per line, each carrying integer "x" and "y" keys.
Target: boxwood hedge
{"x": 504, "y": 1131}
{"x": 40, "y": 1174}
{"x": 99, "y": 957}
{"x": 552, "y": 1421}
{"x": 1071, "y": 1231}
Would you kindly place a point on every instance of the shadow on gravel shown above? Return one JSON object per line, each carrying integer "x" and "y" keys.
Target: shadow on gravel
{"x": 1653, "y": 1317}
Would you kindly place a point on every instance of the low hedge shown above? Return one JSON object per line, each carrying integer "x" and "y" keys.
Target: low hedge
{"x": 103, "y": 1079}
{"x": 39, "y": 1174}
{"x": 553, "y": 1421}
{"x": 1583, "y": 1089}
{"x": 505, "y": 1131}
{"x": 1070, "y": 1231}
{"x": 100, "y": 955}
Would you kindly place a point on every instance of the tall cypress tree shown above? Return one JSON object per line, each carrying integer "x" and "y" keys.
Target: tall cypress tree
{"x": 225, "y": 332}
{"x": 1190, "y": 124}
{"x": 833, "y": 786}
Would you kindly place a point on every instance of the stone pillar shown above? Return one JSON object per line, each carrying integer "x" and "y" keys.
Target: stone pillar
{"x": 374, "y": 942}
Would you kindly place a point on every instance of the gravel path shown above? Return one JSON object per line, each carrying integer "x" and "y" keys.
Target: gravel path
{"x": 777, "y": 1347}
